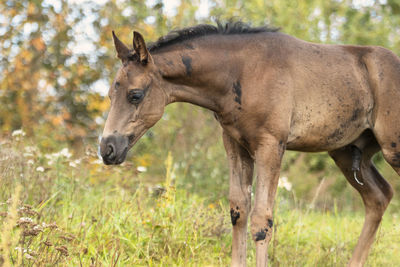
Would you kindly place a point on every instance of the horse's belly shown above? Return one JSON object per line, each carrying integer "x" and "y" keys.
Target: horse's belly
{"x": 328, "y": 129}
{"x": 317, "y": 142}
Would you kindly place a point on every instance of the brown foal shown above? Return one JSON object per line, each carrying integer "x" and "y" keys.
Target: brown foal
{"x": 270, "y": 92}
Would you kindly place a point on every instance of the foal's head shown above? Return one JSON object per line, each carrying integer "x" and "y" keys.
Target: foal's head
{"x": 137, "y": 100}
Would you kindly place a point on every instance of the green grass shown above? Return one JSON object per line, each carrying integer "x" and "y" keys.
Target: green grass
{"x": 92, "y": 215}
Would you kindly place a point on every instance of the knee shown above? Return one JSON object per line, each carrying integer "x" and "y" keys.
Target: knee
{"x": 383, "y": 201}
{"x": 261, "y": 227}
{"x": 377, "y": 204}
{"x": 239, "y": 212}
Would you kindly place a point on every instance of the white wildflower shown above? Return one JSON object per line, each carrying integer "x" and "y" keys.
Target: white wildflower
{"x": 52, "y": 158}
{"x": 141, "y": 168}
{"x": 25, "y": 220}
{"x": 40, "y": 169}
{"x": 51, "y": 225}
{"x": 19, "y": 132}
{"x": 4, "y": 158}
{"x": 97, "y": 161}
{"x": 74, "y": 163}
{"x": 30, "y": 162}
{"x": 284, "y": 183}
{"x": 38, "y": 228}
{"x": 28, "y": 256}
{"x": 65, "y": 152}
{"x": 30, "y": 149}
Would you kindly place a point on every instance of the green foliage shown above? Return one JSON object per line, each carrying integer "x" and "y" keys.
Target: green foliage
{"x": 58, "y": 210}
{"x": 194, "y": 136}
{"x": 76, "y": 217}
{"x": 44, "y": 84}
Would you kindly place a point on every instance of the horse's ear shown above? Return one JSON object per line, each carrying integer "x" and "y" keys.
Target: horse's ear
{"x": 140, "y": 48}
{"x": 122, "y": 50}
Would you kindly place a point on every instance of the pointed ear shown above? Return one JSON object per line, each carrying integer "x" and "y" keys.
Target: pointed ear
{"x": 122, "y": 50}
{"x": 140, "y": 48}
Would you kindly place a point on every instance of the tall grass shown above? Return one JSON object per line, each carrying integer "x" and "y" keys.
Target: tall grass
{"x": 57, "y": 210}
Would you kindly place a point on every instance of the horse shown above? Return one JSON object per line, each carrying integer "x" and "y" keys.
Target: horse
{"x": 269, "y": 92}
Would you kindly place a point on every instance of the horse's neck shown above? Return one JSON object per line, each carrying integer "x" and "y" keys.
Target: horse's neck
{"x": 196, "y": 76}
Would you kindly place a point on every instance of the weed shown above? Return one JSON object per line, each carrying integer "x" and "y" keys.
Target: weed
{"x": 87, "y": 214}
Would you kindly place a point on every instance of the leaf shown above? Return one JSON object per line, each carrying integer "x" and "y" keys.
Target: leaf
{"x": 39, "y": 44}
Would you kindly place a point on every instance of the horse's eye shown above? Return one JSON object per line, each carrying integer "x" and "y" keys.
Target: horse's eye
{"x": 135, "y": 96}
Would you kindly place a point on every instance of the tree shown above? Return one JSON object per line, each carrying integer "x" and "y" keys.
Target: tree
{"x": 48, "y": 86}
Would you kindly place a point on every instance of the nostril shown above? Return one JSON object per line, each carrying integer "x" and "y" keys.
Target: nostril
{"x": 110, "y": 150}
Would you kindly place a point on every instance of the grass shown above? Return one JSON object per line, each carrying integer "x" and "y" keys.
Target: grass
{"x": 70, "y": 212}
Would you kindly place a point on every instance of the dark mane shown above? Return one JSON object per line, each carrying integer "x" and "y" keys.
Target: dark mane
{"x": 231, "y": 27}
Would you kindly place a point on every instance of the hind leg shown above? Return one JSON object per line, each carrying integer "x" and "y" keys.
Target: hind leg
{"x": 375, "y": 192}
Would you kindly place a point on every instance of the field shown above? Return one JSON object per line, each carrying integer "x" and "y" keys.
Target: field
{"x": 59, "y": 210}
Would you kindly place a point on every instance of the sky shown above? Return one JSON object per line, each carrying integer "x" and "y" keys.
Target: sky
{"x": 169, "y": 6}
{"x": 85, "y": 46}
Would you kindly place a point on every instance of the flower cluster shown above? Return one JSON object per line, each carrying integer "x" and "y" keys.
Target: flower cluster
{"x": 284, "y": 183}
{"x": 39, "y": 242}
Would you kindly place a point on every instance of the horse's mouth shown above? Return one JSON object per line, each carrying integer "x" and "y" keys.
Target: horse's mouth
{"x": 122, "y": 157}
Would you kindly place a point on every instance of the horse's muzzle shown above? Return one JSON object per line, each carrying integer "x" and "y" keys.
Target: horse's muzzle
{"x": 113, "y": 149}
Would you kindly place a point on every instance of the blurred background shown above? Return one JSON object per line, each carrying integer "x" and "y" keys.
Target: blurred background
{"x": 57, "y": 61}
